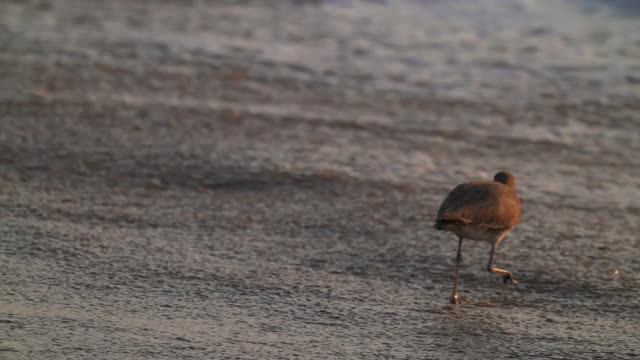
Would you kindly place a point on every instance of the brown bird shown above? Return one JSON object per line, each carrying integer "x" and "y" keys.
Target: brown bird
{"x": 482, "y": 211}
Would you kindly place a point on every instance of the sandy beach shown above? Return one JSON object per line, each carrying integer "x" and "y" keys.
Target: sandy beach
{"x": 259, "y": 180}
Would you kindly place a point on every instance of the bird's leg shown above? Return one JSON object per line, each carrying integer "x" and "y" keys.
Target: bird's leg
{"x": 506, "y": 275}
{"x": 455, "y": 299}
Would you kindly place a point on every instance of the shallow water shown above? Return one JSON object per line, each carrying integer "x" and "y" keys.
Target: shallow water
{"x": 260, "y": 180}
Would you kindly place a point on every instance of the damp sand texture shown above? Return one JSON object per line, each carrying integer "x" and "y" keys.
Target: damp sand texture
{"x": 203, "y": 180}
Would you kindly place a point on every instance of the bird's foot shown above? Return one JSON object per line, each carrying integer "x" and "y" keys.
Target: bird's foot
{"x": 457, "y": 299}
{"x": 509, "y": 278}
{"x": 506, "y": 275}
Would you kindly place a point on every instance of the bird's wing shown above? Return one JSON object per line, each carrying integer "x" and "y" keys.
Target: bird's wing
{"x": 486, "y": 204}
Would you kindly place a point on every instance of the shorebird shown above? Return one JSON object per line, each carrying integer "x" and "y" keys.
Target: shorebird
{"x": 482, "y": 211}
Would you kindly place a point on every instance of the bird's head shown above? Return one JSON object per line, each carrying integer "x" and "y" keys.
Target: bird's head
{"x": 505, "y": 178}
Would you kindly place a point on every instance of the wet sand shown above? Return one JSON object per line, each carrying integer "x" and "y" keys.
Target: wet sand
{"x": 260, "y": 181}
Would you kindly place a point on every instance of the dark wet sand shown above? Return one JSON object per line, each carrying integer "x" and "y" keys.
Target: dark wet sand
{"x": 260, "y": 182}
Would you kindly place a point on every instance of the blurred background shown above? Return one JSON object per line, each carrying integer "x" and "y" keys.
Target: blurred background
{"x": 259, "y": 179}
